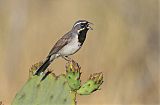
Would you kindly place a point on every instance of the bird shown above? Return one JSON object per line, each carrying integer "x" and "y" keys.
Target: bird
{"x": 67, "y": 45}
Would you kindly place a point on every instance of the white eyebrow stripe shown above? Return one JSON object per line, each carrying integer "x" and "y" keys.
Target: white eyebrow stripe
{"x": 79, "y": 23}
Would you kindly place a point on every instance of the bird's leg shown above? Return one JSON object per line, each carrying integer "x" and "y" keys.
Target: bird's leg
{"x": 67, "y": 58}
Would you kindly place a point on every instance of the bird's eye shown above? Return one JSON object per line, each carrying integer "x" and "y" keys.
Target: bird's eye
{"x": 82, "y": 25}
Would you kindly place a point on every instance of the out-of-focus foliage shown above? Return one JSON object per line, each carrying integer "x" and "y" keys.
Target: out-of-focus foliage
{"x": 123, "y": 45}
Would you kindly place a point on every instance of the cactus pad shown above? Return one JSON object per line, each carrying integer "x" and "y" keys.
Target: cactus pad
{"x": 92, "y": 84}
{"x": 73, "y": 75}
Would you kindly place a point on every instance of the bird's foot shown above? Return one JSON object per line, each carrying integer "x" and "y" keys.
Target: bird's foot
{"x": 67, "y": 58}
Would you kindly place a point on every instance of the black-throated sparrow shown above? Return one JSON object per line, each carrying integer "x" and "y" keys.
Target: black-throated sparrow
{"x": 69, "y": 44}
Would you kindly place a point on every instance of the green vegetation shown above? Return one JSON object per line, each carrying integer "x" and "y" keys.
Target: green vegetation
{"x": 49, "y": 89}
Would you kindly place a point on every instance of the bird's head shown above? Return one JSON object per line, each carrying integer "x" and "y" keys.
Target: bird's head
{"x": 82, "y": 25}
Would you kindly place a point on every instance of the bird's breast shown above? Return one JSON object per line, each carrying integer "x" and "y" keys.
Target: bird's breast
{"x": 72, "y": 47}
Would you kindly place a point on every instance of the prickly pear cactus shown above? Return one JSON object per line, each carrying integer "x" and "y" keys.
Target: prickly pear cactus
{"x": 49, "y": 89}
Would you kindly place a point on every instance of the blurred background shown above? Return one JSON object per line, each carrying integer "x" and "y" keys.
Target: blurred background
{"x": 123, "y": 45}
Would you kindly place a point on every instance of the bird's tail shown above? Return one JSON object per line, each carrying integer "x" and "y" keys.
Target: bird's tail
{"x": 44, "y": 66}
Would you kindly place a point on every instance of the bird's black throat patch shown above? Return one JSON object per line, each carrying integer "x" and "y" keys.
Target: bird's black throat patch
{"x": 82, "y": 36}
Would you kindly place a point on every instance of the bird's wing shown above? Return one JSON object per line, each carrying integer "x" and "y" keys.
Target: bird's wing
{"x": 61, "y": 43}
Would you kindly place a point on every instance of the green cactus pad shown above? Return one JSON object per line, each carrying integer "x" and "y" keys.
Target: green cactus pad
{"x": 73, "y": 75}
{"x": 52, "y": 90}
{"x": 91, "y": 85}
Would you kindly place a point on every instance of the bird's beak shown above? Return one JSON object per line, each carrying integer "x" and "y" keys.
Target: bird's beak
{"x": 88, "y": 26}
